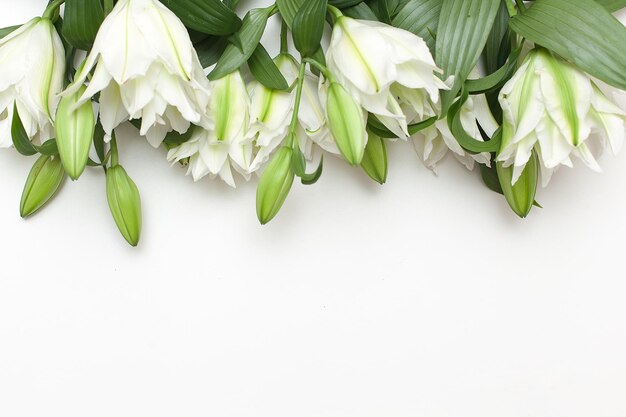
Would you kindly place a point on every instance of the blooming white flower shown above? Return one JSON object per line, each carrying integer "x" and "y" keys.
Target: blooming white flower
{"x": 270, "y": 113}
{"x": 433, "y": 142}
{"x": 213, "y": 151}
{"x": 32, "y": 65}
{"x": 145, "y": 67}
{"x": 553, "y": 107}
{"x": 386, "y": 68}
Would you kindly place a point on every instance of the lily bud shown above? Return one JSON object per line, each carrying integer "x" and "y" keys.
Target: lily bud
{"x": 552, "y": 107}
{"x": 125, "y": 203}
{"x": 274, "y": 185}
{"x": 520, "y": 196}
{"x": 374, "y": 161}
{"x": 346, "y": 121}
{"x": 75, "y": 129}
{"x": 32, "y": 66}
{"x": 44, "y": 180}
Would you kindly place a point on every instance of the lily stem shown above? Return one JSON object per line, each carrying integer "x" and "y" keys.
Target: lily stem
{"x": 52, "y": 8}
{"x": 284, "y": 45}
{"x": 296, "y": 106}
{"x": 520, "y": 5}
{"x": 320, "y": 67}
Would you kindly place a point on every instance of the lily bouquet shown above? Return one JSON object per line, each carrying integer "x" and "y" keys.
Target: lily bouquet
{"x": 514, "y": 88}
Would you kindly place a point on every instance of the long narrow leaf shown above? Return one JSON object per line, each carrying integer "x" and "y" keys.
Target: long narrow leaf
{"x": 82, "y": 19}
{"x": 207, "y": 16}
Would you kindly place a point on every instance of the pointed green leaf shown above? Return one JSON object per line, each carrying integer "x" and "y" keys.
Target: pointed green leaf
{"x": 250, "y": 35}
{"x": 420, "y": 17}
{"x": 5, "y": 31}
{"x": 20, "y": 139}
{"x": 265, "y": 71}
{"x": 288, "y": 9}
{"x": 207, "y": 16}
{"x": 584, "y": 33}
{"x": 81, "y": 21}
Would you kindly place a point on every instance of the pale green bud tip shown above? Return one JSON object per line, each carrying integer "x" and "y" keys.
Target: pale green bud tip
{"x": 521, "y": 195}
{"x": 44, "y": 181}
{"x": 74, "y": 130}
{"x": 125, "y": 203}
{"x": 374, "y": 161}
{"x": 346, "y": 123}
{"x": 274, "y": 185}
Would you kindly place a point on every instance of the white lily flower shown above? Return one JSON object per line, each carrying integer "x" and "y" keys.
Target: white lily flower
{"x": 214, "y": 151}
{"x": 434, "y": 142}
{"x": 386, "y": 68}
{"x": 32, "y": 64}
{"x": 270, "y": 113}
{"x": 553, "y": 107}
{"x": 145, "y": 68}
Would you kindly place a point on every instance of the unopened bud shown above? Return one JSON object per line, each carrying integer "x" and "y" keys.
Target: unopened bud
{"x": 44, "y": 180}
{"x": 125, "y": 203}
{"x": 520, "y": 196}
{"x": 274, "y": 185}
{"x": 346, "y": 121}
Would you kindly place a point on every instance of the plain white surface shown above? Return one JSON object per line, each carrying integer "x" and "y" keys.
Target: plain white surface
{"x": 425, "y": 297}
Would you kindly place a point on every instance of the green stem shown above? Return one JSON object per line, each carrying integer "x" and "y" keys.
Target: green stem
{"x": 510, "y": 8}
{"x": 284, "y": 45}
{"x": 320, "y": 67}
{"x": 108, "y": 6}
{"x": 296, "y": 106}
{"x": 520, "y": 5}
{"x": 334, "y": 12}
{"x": 52, "y": 8}
{"x": 115, "y": 157}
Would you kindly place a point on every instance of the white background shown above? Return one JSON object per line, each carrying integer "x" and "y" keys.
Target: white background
{"x": 425, "y": 297}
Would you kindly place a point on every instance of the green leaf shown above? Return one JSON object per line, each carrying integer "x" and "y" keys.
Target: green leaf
{"x": 265, "y": 71}
{"x": 98, "y": 141}
{"x": 308, "y": 27}
{"x": 21, "y": 140}
{"x": 312, "y": 178}
{"x": 289, "y": 9}
{"x": 250, "y": 34}
{"x": 49, "y": 148}
{"x": 374, "y": 161}
{"x": 344, "y": 4}
{"x": 82, "y": 19}
{"x": 207, "y": 16}
{"x": 612, "y": 5}
{"x": 420, "y": 17}
{"x": 496, "y": 80}
{"x": 360, "y": 11}
{"x": 173, "y": 138}
{"x": 466, "y": 141}
{"x": 5, "y": 31}
{"x": 584, "y": 33}
{"x": 210, "y": 50}
{"x": 498, "y": 46}
{"x": 298, "y": 165}
{"x": 43, "y": 182}
{"x": 379, "y": 129}
{"x": 464, "y": 27}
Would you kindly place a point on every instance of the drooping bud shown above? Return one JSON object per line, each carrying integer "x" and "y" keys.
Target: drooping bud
{"x": 125, "y": 203}
{"x": 44, "y": 180}
{"x": 520, "y": 196}
{"x": 74, "y": 129}
{"x": 346, "y": 121}
{"x": 274, "y": 185}
{"x": 374, "y": 161}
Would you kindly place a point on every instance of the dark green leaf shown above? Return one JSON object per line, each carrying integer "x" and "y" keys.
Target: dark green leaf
{"x": 360, "y": 11}
{"x": 207, "y": 16}
{"x": 420, "y": 17}
{"x": 210, "y": 50}
{"x": 5, "y": 31}
{"x": 379, "y": 129}
{"x": 82, "y": 19}
{"x": 498, "y": 46}
{"x": 98, "y": 141}
{"x": 173, "y": 138}
{"x": 312, "y": 178}
{"x": 308, "y": 27}
{"x": 21, "y": 140}
{"x": 490, "y": 177}
{"x": 344, "y": 4}
{"x": 265, "y": 70}
{"x": 250, "y": 35}
{"x": 288, "y": 9}
{"x": 495, "y": 80}
{"x": 466, "y": 141}
{"x": 581, "y": 31}
{"x": 464, "y": 27}
{"x": 49, "y": 148}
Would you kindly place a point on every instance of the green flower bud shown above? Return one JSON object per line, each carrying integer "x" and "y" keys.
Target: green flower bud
{"x": 74, "y": 130}
{"x": 346, "y": 121}
{"x": 274, "y": 185}
{"x": 125, "y": 203}
{"x": 374, "y": 161}
{"x": 44, "y": 180}
{"x": 520, "y": 196}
